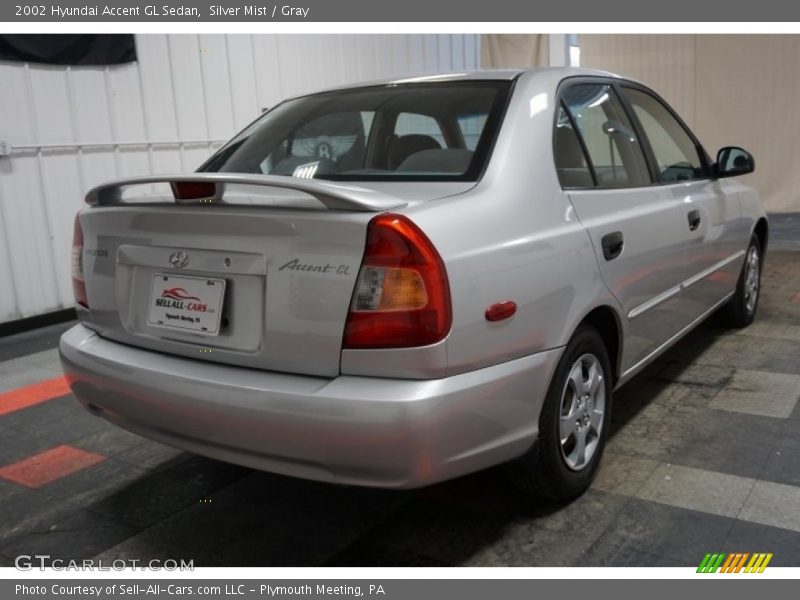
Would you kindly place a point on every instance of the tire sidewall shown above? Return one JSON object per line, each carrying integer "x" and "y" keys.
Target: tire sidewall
{"x": 754, "y": 243}
{"x": 745, "y": 317}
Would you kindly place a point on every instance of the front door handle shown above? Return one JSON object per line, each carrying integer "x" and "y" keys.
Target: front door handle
{"x": 612, "y": 245}
{"x": 694, "y": 219}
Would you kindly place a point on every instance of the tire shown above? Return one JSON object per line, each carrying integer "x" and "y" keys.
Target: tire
{"x": 741, "y": 308}
{"x": 555, "y": 470}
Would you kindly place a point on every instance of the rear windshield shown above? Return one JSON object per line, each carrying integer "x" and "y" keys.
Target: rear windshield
{"x": 415, "y": 131}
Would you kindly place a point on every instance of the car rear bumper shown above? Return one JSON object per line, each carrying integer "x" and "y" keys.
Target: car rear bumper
{"x": 396, "y": 433}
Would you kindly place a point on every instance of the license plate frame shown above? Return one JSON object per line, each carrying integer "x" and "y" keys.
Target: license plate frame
{"x": 186, "y": 303}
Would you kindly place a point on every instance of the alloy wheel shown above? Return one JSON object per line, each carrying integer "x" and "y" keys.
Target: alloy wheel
{"x": 751, "y": 279}
{"x": 583, "y": 403}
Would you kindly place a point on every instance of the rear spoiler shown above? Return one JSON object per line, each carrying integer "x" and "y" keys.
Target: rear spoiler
{"x": 211, "y": 187}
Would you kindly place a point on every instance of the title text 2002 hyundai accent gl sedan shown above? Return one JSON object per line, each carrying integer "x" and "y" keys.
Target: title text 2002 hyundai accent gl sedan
{"x": 403, "y": 282}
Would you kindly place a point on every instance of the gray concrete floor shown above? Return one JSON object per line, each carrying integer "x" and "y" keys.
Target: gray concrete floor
{"x": 704, "y": 457}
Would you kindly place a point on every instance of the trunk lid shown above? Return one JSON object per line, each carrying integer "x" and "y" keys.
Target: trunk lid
{"x": 254, "y": 276}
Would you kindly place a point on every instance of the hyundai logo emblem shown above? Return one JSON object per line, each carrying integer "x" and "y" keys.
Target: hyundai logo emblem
{"x": 178, "y": 260}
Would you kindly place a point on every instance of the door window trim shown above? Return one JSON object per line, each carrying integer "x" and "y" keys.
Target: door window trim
{"x": 586, "y": 157}
{"x": 701, "y": 152}
{"x": 567, "y": 83}
{"x": 618, "y": 85}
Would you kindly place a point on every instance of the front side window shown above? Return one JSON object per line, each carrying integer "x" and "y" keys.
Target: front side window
{"x": 676, "y": 154}
{"x": 615, "y": 153}
{"x": 419, "y": 131}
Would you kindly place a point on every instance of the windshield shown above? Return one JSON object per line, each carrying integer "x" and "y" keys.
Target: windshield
{"x": 418, "y": 132}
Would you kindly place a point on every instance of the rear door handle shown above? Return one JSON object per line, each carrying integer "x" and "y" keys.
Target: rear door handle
{"x": 612, "y": 245}
{"x": 694, "y": 219}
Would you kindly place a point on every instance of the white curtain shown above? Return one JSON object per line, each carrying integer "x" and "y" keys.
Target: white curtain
{"x": 512, "y": 51}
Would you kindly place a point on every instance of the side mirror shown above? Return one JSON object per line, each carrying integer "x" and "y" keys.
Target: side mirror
{"x": 732, "y": 161}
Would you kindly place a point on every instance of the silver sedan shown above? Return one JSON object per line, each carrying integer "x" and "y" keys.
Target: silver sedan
{"x": 402, "y": 282}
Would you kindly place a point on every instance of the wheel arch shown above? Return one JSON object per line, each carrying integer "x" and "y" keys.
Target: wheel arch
{"x": 762, "y": 231}
{"x": 607, "y": 322}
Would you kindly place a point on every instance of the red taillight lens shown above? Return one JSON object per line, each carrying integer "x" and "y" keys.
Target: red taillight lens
{"x": 193, "y": 190}
{"x": 78, "y": 283}
{"x": 402, "y": 297}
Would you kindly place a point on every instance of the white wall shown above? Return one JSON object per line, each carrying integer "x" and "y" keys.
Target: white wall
{"x": 190, "y": 91}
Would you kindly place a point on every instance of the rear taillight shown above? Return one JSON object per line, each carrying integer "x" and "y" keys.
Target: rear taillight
{"x": 78, "y": 283}
{"x": 402, "y": 297}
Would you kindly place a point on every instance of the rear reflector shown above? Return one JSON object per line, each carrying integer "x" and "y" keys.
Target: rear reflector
{"x": 501, "y": 310}
{"x": 78, "y": 283}
{"x": 193, "y": 190}
{"x": 402, "y": 296}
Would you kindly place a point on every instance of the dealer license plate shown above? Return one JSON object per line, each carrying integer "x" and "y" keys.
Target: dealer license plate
{"x": 188, "y": 303}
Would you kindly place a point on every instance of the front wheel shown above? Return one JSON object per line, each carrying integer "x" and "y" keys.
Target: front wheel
{"x": 741, "y": 308}
{"x": 574, "y": 422}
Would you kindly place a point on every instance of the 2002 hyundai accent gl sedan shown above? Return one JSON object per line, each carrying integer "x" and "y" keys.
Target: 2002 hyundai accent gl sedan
{"x": 403, "y": 282}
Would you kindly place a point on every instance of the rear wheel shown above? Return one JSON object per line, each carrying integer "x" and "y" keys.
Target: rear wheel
{"x": 574, "y": 422}
{"x": 741, "y": 308}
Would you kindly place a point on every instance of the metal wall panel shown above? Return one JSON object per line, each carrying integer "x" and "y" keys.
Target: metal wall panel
{"x": 72, "y": 128}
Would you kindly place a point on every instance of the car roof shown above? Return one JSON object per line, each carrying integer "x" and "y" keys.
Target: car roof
{"x": 480, "y": 75}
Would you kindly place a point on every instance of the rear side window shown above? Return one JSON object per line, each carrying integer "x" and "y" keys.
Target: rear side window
{"x": 615, "y": 153}
{"x": 676, "y": 153}
{"x": 573, "y": 170}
